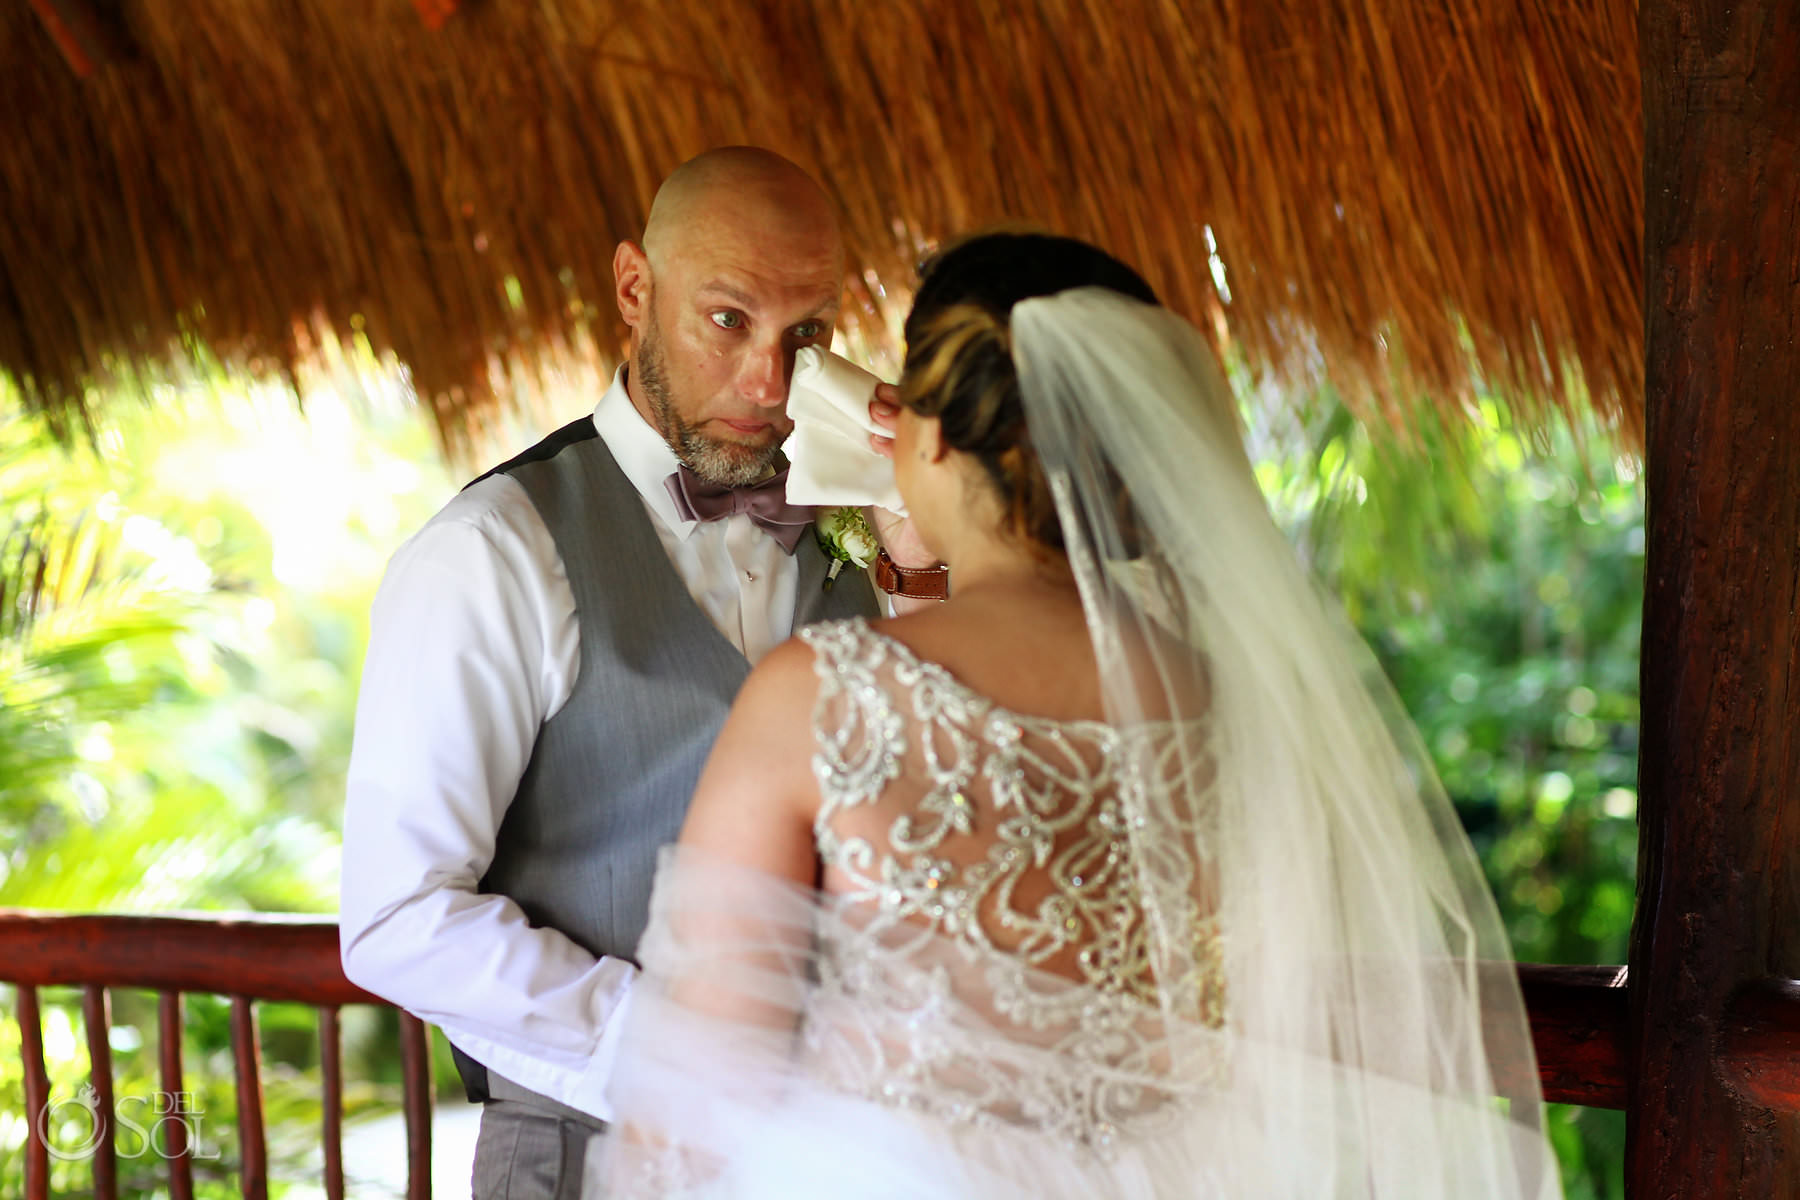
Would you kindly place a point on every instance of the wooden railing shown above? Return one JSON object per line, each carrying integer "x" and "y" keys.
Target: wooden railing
{"x": 248, "y": 959}
{"x": 1579, "y": 1019}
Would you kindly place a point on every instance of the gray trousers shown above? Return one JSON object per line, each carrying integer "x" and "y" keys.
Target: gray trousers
{"x": 525, "y": 1152}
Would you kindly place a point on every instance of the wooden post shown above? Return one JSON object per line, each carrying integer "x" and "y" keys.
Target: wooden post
{"x": 415, "y": 1069}
{"x": 1719, "y": 850}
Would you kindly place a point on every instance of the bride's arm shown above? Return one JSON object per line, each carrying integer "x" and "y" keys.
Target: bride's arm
{"x": 743, "y": 914}
{"x": 755, "y": 802}
{"x": 726, "y": 954}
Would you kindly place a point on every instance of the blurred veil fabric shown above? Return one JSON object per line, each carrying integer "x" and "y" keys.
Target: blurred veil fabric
{"x": 1251, "y": 955}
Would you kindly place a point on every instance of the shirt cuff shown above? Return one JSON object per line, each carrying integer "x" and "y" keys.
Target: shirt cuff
{"x": 589, "y": 1094}
{"x": 580, "y": 1084}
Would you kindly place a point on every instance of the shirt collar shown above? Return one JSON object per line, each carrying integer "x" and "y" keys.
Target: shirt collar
{"x": 641, "y": 453}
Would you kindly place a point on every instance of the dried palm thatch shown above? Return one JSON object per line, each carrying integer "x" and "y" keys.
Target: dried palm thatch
{"x": 1412, "y": 199}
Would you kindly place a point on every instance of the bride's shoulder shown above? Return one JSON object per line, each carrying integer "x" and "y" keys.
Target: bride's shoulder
{"x": 784, "y": 680}
{"x": 825, "y": 638}
{"x": 904, "y": 639}
{"x": 876, "y": 654}
{"x": 829, "y": 651}
{"x": 1029, "y": 655}
{"x": 859, "y": 639}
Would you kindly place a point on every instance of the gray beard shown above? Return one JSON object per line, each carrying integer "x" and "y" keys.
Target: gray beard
{"x": 728, "y": 464}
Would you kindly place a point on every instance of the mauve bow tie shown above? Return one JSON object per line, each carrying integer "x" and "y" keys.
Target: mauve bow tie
{"x": 766, "y": 504}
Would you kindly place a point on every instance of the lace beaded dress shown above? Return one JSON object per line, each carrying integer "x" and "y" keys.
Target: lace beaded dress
{"x": 988, "y": 963}
{"x": 973, "y": 982}
{"x": 970, "y": 1005}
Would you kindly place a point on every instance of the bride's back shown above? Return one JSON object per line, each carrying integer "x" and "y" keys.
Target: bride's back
{"x": 971, "y": 786}
{"x": 1026, "y": 648}
{"x": 987, "y": 947}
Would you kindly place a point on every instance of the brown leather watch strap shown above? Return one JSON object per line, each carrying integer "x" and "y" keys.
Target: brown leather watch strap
{"x": 923, "y": 583}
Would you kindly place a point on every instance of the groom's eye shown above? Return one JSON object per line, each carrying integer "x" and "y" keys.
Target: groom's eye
{"x": 807, "y": 330}
{"x": 726, "y": 318}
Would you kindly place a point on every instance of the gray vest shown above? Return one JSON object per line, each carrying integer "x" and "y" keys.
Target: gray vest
{"x": 610, "y": 776}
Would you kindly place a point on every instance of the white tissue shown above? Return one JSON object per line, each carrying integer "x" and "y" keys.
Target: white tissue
{"x": 829, "y": 459}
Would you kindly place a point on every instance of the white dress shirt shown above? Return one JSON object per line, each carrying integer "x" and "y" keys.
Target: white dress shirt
{"x": 474, "y": 644}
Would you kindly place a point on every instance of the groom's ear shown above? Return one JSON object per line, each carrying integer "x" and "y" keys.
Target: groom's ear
{"x": 631, "y": 282}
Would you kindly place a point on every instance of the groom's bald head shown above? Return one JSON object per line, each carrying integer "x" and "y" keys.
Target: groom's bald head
{"x": 739, "y": 267}
{"x": 742, "y": 192}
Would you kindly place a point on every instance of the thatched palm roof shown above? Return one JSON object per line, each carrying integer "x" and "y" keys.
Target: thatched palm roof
{"x": 1419, "y": 196}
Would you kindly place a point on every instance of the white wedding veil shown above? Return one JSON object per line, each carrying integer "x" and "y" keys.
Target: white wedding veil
{"x": 1380, "y": 1039}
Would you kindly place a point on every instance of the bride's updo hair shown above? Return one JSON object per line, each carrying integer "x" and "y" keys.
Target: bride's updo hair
{"x": 959, "y": 364}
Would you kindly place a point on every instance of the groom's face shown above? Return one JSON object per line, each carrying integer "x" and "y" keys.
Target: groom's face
{"x": 729, "y": 304}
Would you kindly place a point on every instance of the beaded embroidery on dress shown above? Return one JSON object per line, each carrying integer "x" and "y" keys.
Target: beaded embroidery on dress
{"x": 991, "y": 964}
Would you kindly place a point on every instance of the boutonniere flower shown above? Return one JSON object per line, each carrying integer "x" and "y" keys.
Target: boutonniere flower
{"x": 845, "y": 535}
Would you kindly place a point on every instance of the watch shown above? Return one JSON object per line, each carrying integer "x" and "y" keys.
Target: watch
{"x": 923, "y": 583}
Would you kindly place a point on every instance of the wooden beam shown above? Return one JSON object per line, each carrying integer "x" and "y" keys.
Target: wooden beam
{"x": 331, "y": 1100}
{"x": 1578, "y": 1017}
{"x": 174, "y": 1147}
{"x": 253, "y": 1142}
{"x": 1759, "y": 1044}
{"x": 415, "y": 1071}
{"x": 1719, "y": 772}
{"x": 37, "y": 1095}
{"x": 269, "y": 957}
{"x": 96, "y": 1019}
{"x": 1579, "y": 1020}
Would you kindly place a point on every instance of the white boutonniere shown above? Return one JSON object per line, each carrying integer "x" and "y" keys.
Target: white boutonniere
{"x": 845, "y": 536}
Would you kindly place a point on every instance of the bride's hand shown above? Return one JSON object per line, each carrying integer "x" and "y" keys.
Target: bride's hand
{"x": 884, "y": 410}
{"x": 895, "y": 531}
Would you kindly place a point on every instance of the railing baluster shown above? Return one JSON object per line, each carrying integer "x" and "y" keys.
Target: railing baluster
{"x": 247, "y": 1061}
{"x": 247, "y": 957}
{"x": 415, "y": 1068}
{"x": 96, "y": 1015}
{"x": 37, "y": 1095}
{"x": 172, "y": 1140}
{"x": 332, "y": 1102}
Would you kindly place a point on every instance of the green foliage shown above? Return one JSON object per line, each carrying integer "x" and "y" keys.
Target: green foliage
{"x": 121, "y": 781}
{"x": 183, "y": 611}
{"x": 1500, "y": 582}
{"x": 183, "y": 605}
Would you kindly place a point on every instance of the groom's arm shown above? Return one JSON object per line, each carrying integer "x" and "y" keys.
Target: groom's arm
{"x": 471, "y": 649}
